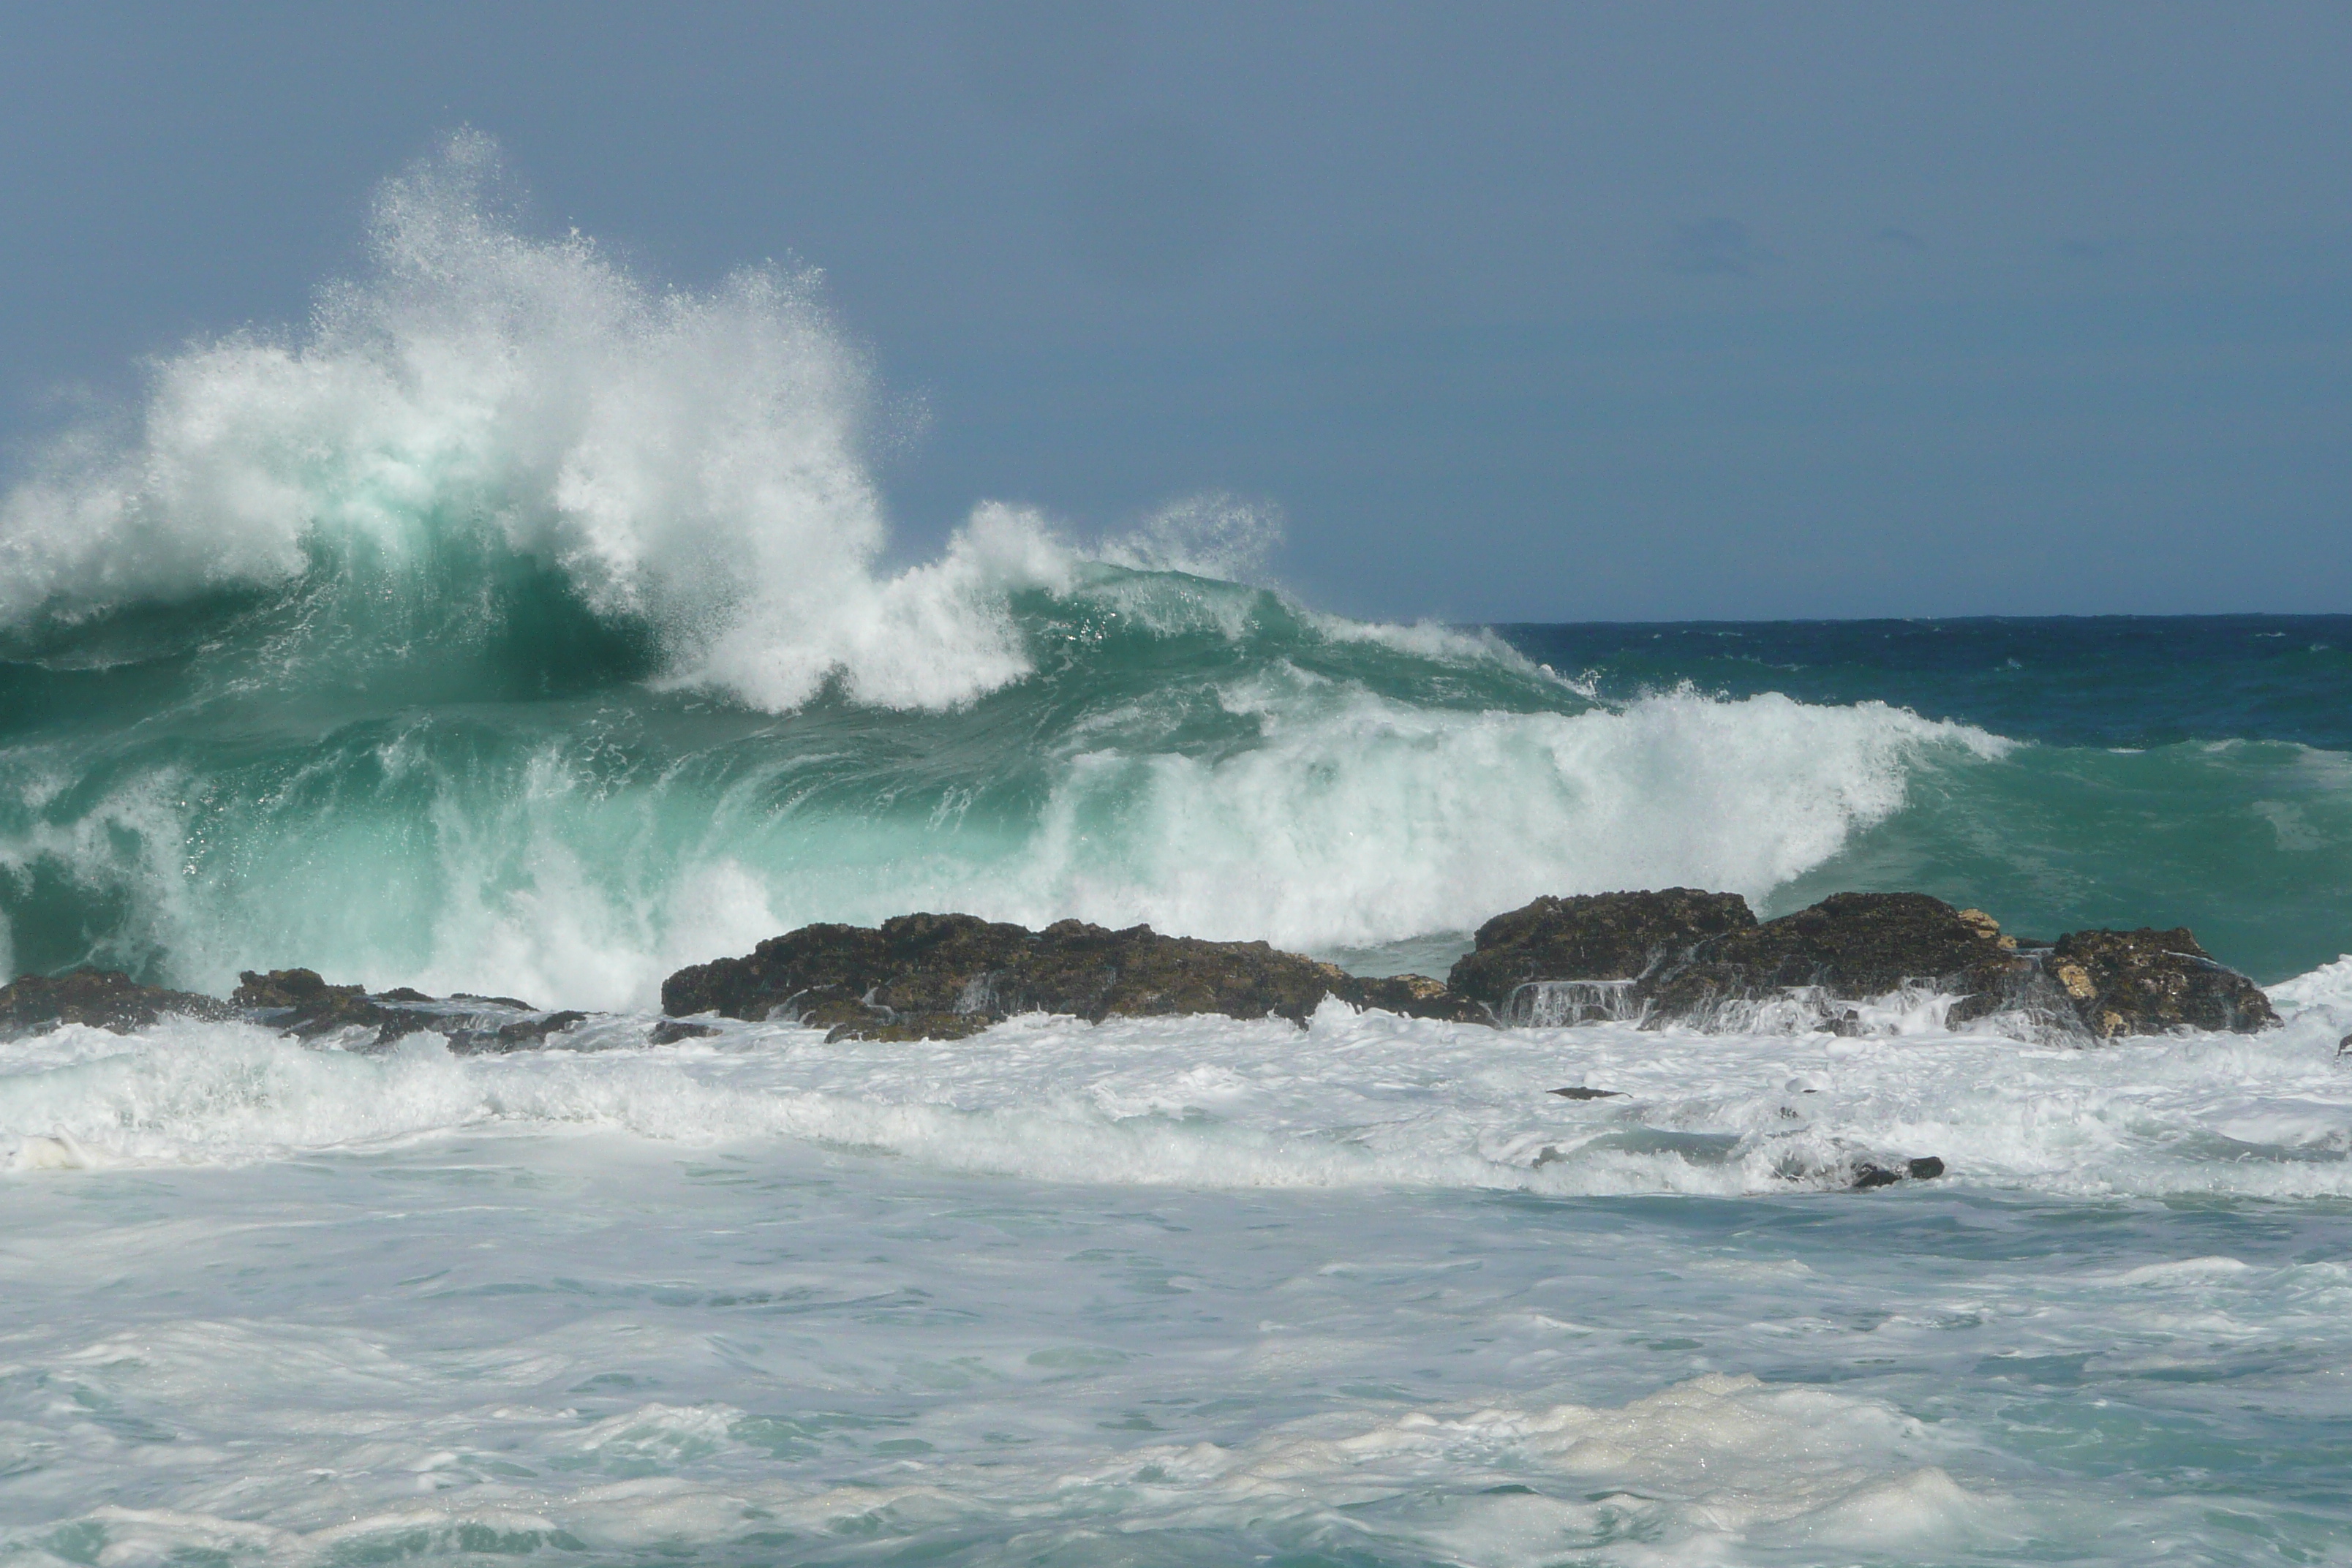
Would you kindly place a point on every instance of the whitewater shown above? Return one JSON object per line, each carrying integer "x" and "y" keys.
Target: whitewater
{"x": 516, "y": 626}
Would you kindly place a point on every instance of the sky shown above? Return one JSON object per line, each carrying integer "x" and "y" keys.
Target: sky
{"x": 1514, "y": 312}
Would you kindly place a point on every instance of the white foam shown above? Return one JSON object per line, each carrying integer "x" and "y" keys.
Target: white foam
{"x": 689, "y": 458}
{"x": 2327, "y": 987}
{"x": 1359, "y": 819}
{"x": 1358, "y": 1102}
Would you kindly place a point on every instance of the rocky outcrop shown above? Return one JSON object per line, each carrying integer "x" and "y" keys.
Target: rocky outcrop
{"x": 100, "y": 998}
{"x": 2150, "y": 982}
{"x": 931, "y": 976}
{"x": 1412, "y": 995}
{"x": 300, "y": 1004}
{"x": 1868, "y": 1173}
{"x": 1849, "y": 947}
{"x": 1699, "y": 960}
{"x": 1677, "y": 956}
{"x": 1593, "y": 937}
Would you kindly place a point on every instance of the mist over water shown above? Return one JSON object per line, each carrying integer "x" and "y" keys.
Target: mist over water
{"x": 516, "y": 626}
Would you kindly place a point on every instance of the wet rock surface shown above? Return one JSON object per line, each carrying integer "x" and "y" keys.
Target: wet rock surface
{"x": 1848, "y": 947}
{"x": 100, "y": 998}
{"x": 1869, "y": 1174}
{"x": 2150, "y": 982}
{"x": 299, "y": 1003}
{"x": 934, "y": 976}
{"x": 1675, "y": 957}
{"x": 1691, "y": 960}
{"x": 1592, "y": 936}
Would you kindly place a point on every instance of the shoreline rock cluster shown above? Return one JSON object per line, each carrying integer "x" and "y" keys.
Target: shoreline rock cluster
{"x": 1677, "y": 957}
{"x": 941, "y": 977}
{"x": 1698, "y": 959}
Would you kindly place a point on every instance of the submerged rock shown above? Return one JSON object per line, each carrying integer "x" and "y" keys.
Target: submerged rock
{"x": 1868, "y": 1175}
{"x": 1413, "y": 995}
{"x": 933, "y": 976}
{"x": 100, "y": 998}
{"x": 299, "y": 1003}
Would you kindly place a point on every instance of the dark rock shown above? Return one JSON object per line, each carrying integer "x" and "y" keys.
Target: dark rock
{"x": 299, "y": 1003}
{"x": 520, "y": 1035}
{"x": 2344, "y": 1047}
{"x": 1591, "y": 936}
{"x": 1868, "y": 1175}
{"x": 520, "y": 1007}
{"x": 100, "y": 998}
{"x": 669, "y": 1031}
{"x": 1850, "y": 945}
{"x": 905, "y": 1027}
{"x": 1697, "y": 959}
{"x": 930, "y": 976}
{"x": 1578, "y": 1091}
{"x": 2150, "y": 982}
{"x": 1413, "y": 995}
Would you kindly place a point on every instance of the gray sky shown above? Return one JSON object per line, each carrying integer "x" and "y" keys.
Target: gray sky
{"x": 1543, "y": 312}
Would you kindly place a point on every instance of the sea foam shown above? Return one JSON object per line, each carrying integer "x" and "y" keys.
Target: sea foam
{"x": 689, "y": 459}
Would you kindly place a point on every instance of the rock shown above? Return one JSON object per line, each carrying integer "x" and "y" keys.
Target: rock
{"x": 1868, "y": 1175}
{"x": 2344, "y": 1047}
{"x": 669, "y": 1031}
{"x": 300, "y": 1004}
{"x": 1413, "y": 995}
{"x": 1850, "y": 946}
{"x": 1989, "y": 927}
{"x": 521, "y": 1035}
{"x": 1578, "y": 1092}
{"x": 1591, "y": 936}
{"x": 1700, "y": 960}
{"x": 933, "y": 976}
{"x": 2150, "y": 982}
{"x": 901, "y": 1027}
{"x": 404, "y": 992}
{"x": 100, "y": 998}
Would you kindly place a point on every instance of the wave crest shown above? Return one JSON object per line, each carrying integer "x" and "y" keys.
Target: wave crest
{"x": 689, "y": 460}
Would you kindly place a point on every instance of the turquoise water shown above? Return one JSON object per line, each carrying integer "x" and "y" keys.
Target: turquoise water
{"x": 515, "y": 628}
{"x": 188, "y": 789}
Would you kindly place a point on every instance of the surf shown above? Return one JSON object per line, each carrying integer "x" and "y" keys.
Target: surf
{"x": 519, "y": 625}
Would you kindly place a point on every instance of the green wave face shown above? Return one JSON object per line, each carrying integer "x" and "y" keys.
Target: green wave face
{"x": 469, "y": 779}
{"x": 465, "y": 772}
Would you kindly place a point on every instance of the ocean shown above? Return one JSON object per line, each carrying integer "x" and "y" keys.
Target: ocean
{"x": 515, "y": 627}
